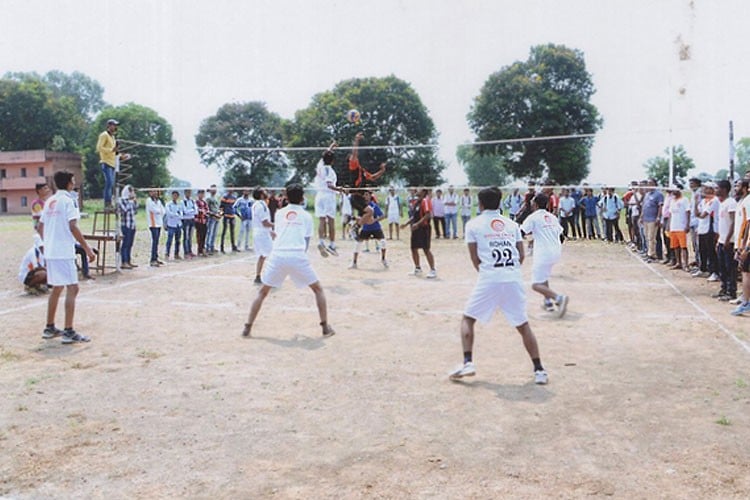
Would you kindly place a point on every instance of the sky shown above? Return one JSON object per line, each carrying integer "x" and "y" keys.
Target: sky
{"x": 185, "y": 59}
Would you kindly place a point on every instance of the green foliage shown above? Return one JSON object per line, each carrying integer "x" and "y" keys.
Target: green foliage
{"x": 391, "y": 114}
{"x": 248, "y": 125}
{"x": 137, "y": 124}
{"x": 482, "y": 170}
{"x": 742, "y": 163}
{"x": 658, "y": 166}
{"x": 547, "y": 95}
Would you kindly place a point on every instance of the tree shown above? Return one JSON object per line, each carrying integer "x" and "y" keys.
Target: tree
{"x": 658, "y": 166}
{"x": 482, "y": 170}
{"x": 137, "y": 124}
{"x": 742, "y": 165}
{"x": 243, "y": 125}
{"x": 547, "y": 95}
{"x": 392, "y": 114}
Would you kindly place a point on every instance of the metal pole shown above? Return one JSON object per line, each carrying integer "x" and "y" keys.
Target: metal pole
{"x": 731, "y": 152}
{"x": 671, "y": 162}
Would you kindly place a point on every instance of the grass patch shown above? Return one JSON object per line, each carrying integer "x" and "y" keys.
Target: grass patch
{"x": 724, "y": 421}
{"x": 741, "y": 383}
{"x": 144, "y": 354}
{"x": 8, "y": 356}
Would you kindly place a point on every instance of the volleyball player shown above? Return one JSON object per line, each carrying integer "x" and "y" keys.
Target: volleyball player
{"x": 262, "y": 231}
{"x": 371, "y": 229}
{"x": 496, "y": 251}
{"x": 294, "y": 228}
{"x": 325, "y": 202}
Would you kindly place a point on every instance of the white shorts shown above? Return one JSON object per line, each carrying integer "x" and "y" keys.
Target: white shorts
{"x": 488, "y": 296}
{"x": 262, "y": 243}
{"x": 296, "y": 265}
{"x": 325, "y": 205}
{"x": 394, "y": 218}
{"x": 61, "y": 272}
{"x": 541, "y": 269}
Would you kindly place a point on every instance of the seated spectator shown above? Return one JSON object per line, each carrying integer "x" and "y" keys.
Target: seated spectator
{"x": 32, "y": 272}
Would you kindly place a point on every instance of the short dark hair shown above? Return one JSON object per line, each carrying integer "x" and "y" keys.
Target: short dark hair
{"x": 258, "y": 193}
{"x": 725, "y": 185}
{"x": 39, "y": 186}
{"x": 62, "y": 179}
{"x": 176, "y": 192}
{"x": 541, "y": 200}
{"x": 695, "y": 180}
{"x": 295, "y": 193}
{"x": 490, "y": 198}
{"x": 328, "y": 157}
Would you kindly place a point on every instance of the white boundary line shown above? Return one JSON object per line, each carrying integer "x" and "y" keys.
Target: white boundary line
{"x": 697, "y": 307}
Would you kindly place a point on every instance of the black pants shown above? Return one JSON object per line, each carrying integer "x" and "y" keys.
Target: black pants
{"x": 727, "y": 269}
{"x": 568, "y": 221}
{"x": 439, "y": 223}
{"x": 707, "y": 250}
{"x": 228, "y": 221}
{"x": 613, "y": 229}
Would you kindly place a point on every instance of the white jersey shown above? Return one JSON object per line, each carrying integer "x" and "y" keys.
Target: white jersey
{"x": 59, "y": 210}
{"x": 325, "y": 174}
{"x": 394, "y": 205}
{"x": 293, "y": 225}
{"x": 546, "y": 231}
{"x": 260, "y": 213}
{"x": 741, "y": 216}
{"x": 711, "y": 207}
{"x": 451, "y": 203}
{"x": 31, "y": 260}
{"x": 679, "y": 211}
{"x": 346, "y": 205}
{"x": 465, "y": 205}
{"x": 726, "y": 216}
{"x": 496, "y": 237}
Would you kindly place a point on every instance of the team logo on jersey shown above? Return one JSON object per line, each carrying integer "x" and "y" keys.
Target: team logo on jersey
{"x": 290, "y": 216}
{"x": 497, "y": 225}
{"x": 52, "y": 204}
{"x": 547, "y": 219}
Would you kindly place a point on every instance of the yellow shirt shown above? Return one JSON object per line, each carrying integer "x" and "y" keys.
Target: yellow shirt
{"x": 105, "y": 146}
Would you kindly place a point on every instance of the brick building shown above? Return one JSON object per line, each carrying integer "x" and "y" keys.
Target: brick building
{"x": 21, "y": 171}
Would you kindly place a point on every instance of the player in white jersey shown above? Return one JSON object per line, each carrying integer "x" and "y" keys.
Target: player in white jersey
{"x": 293, "y": 229}
{"x": 496, "y": 251}
{"x": 325, "y": 202}
{"x": 546, "y": 230}
{"x": 262, "y": 230}
{"x": 394, "y": 211}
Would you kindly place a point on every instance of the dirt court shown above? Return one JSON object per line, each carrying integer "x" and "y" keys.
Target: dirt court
{"x": 649, "y": 393}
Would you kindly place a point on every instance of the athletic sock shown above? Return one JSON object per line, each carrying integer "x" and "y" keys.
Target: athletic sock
{"x": 537, "y": 364}
{"x": 51, "y": 325}
{"x": 467, "y": 357}
{"x": 68, "y": 328}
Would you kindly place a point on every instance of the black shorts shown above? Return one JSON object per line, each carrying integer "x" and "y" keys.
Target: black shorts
{"x": 420, "y": 238}
{"x": 745, "y": 264}
{"x": 365, "y": 235}
{"x": 30, "y": 275}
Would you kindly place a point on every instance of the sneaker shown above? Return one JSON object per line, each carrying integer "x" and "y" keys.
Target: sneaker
{"x": 562, "y": 305}
{"x": 50, "y": 332}
{"x": 246, "y": 330}
{"x": 328, "y": 330}
{"x": 736, "y": 301}
{"x": 70, "y": 337}
{"x": 718, "y": 294}
{"x": 132, "y": 266}
{"x": 540, "y": 377}
{"x": 353, "y": 265}
{"x": 431, "y": 275}
{"x": 713, "y": 277}
{"x": 741, "y": 309}
{"x": 466, "y": 370}
{"x": 727, "y": 298}
{"x": 385, "y": 263}
{"x": 155, "y": 263}
{"x": 548, "y": 305}
{"x": 258, "y": 281}
{"x": 322, "y": 249}
{"x": 416, "y": 272}
{"x": 332, "y": 250}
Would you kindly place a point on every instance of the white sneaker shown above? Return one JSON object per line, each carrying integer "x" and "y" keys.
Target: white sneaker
{"x": 737, "y": 301}
{"x": 562, "y": 305}
{"x": 432, "y": 274}
{"x": 332, "y": 250}
{"x": 467, "y": 370}
{"x": 416, "y": 272}
{"x": 713, "y": 277}
{"x": 385, "y": 263}
{"x": 548, "y": 306}
{"x": 353, "y": 265}
{"x": 322, "y": 249}
{"x": 540, "y": 377}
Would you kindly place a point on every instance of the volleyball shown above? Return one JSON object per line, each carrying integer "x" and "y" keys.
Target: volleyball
{"x": 353, "y": 116}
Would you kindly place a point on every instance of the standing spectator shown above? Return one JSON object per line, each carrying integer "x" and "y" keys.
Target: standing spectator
{"x": 214, "y": 216}
{"x": 679, "y": 226}
{"x": 59, "y": 230}
{"x": 394, "y": 211}
{"x": 589, "y": 204}
{"x": 188, "y": 223}
{"x": 346, "y": 213}
{"x": 155, "y": 212}
{"x": 626, "y": 203}
{"x": 652, "y": 204}
{"x": 42, "y": 193}
{"x": 127, "y": 206}
{"x": 742, "y": 244}
{"x": 725, "y": 245}
{"x": 634, "y": 205}
{"x": 289, "y": 258}
{"x": 610, "y": 208}
{"x": 466, "y": 208}
{"x": 553, "y": 205}
{"x": 567, "y": 207}
{"x": 438, "y": 213}
{"x": 451, "y": 214}
{"x": 227, "y": 207}
{"x": 707, "y": 229}
{"x": 201, "y": 221}
{"x": 173, "y": 220}
{"x": 262, "y": 231}
{"x": 513, "y": 203}
{"x": 695, "y": 185}
{"x": 420, "y": 233}
{"x": 669, "y": 253}
{"x": 273, "y": 204}
{"x": 107, "y": 148}
{"x": 578, "y": 218}
{"x": 243, "y": 207}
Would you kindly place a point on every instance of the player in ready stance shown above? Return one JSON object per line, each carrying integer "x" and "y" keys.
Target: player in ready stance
{"x": 496, "y": 250}
{"x": 293, "y": 228}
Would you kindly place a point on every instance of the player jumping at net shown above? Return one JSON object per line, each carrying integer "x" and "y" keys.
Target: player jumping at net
{"x": 360, "y": 176}
{"x": 293, "y": 228}
{"x": 496, "y": 251}
{"x": 325, "y": 202}
{"x": 546, "y": 230}
{"x": 371, "y": 229}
